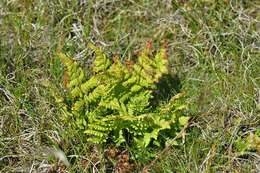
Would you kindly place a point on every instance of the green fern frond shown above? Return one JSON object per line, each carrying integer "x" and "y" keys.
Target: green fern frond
{"x": 117, "y": 98}
{"x": 101, "y": 62}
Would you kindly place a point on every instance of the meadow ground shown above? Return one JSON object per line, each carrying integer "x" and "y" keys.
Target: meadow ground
{"x": 214, "y": 49}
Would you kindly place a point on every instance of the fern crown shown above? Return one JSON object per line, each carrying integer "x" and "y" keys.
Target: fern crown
{"x": 115, "y": 100}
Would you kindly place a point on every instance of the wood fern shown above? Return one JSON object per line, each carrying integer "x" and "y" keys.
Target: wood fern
{"x": 115, "y": 100}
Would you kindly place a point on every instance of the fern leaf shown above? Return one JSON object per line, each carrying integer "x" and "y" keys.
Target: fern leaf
{"x": 101, "y": 62}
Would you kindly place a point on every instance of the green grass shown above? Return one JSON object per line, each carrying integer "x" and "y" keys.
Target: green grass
{"x": 213, "y": 48}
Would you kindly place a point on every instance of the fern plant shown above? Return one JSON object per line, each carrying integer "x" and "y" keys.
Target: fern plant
{"x": 115, "y": 102}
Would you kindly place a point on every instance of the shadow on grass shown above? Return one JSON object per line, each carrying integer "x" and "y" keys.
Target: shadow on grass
{"x": 168, "y": 86}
